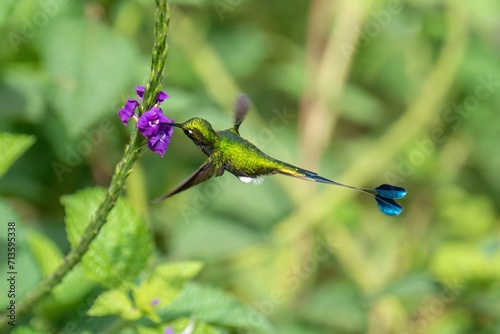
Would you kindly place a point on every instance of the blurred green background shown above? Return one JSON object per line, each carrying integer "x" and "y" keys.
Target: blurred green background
{"x": 363, "y": 92}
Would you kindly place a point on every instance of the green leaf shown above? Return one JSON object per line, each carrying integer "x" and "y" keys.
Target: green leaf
{"x": 22, "y": 92}
{"x": 26, "y": 330}
{"x": 202, "y": 328}
{"x": 114, "y": 302}
{"x": 147, "y": 330}
{"x": 91, "y": 68}
{"x": 213, "y": 305}
{"x": 6, "y": 7}
{"x": 337, "y": 305}
{"x": 48, "y": 258}
{"x": 120, "y": 251}
{"x": 24, "y": 264}
{"x": 164, "y": 284}
{"x": 65, "y": 292}
{"x": 221, "y": 236}
{"x": 11, "y": 147}
{"x": 45, "y": 252}
{"x": 179, "y": 326}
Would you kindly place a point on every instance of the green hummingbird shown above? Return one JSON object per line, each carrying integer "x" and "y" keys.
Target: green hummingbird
{"x": 227, "y": 150}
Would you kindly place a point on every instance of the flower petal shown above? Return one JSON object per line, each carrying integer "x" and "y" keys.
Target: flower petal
{"x": 167, "y": 129}
{"x": 161, "y": 97}
{"x": 159, "y": 142}
{"x": 140, "y": 91}
{"x": 149, "y": 122}
{"x": 127, "y": 111}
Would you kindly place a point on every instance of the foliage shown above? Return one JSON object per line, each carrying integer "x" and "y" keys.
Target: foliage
{"x": 362, "y": 92}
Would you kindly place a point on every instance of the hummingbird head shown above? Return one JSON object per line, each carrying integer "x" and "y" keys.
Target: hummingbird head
{"x": 199, "y": 130}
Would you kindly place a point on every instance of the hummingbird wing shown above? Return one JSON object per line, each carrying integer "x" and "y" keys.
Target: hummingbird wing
{"x": 211, "y": 167}
{"x": 241, "y": 107}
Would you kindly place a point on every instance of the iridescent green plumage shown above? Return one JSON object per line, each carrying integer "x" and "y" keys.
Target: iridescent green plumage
{"x": 227, "y": 150}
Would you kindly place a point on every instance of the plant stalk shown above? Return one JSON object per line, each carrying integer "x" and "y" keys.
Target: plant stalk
{"x": 117, "y": 185}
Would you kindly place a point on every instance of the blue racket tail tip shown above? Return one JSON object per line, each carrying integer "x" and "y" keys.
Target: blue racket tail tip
{"x": 388, "y": 206}
{"x": 390, "y": 191}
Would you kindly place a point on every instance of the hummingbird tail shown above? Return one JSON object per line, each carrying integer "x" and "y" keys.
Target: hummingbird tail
{"x": 304, "y": 174}
{"x": 384, "y": 194}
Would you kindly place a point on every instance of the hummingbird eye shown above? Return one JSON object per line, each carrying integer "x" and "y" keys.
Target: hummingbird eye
{"x": 190, "y": 131}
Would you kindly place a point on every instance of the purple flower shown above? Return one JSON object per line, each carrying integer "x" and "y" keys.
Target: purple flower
{"x": 159, "y": 99}
{"x": 159, "y": 142}
{"x": 155, "y": 302}
{"x": 128, "y": 111}
{"x": 149, "y": 122}
{"x": 168, "y": 330}
{"x": 140, "y": 91}
{"x": 152, "y": 124}
{"x": 156, "y": 127}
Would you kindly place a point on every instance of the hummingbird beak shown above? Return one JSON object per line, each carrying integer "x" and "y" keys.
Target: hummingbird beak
{"x": 177, "y": 125}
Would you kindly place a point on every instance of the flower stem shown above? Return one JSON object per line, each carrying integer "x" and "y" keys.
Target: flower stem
{"x": 159, "y": 57}
{"x": 117, "y": 186}
{"x": 122, "y": 170}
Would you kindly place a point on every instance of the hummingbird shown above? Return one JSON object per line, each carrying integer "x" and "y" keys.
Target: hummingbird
{"x": 228, "y": 151}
